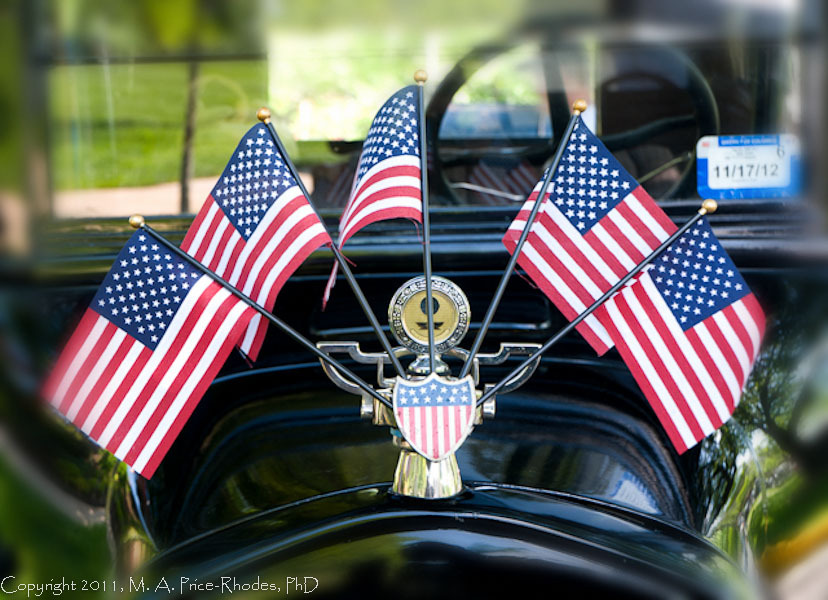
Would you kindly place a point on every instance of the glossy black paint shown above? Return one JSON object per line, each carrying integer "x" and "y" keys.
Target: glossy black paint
{"x": 573, "y": 482}
{"x": 245, "y": 450}
{"x": 269, "y": 437}
{"x": 492, "y": 540}
{"x": 573, "y": 489}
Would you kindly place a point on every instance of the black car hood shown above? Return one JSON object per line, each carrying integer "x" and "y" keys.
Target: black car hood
{"x": 571, "y": 488}
{"x": 492, "y": 540}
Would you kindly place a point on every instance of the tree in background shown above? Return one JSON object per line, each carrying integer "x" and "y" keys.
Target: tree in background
{"x": 191, "y": 29}
{"x": 159, "y": 31}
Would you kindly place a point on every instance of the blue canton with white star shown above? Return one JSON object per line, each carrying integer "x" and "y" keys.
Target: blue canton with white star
{"x": 696, "y": 277}
{"x": 433, "y": 394}
{"x": 394, "y": 131}
{"x": 143, "y": 289}
{"x": 589, "y": 181}
{"x": 255, "y": 176}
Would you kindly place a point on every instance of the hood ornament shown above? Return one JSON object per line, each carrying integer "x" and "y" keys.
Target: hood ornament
{"x": 433, "y": 413}
{"x": 429, "y": 317}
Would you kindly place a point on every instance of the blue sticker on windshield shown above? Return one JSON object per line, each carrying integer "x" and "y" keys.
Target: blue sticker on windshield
{"x": 748, "y": 166}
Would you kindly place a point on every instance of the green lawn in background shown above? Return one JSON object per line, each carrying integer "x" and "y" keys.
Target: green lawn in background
{"x": 123, "y": 125}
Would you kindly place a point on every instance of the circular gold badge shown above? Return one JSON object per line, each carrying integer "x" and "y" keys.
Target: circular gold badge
{"x": 409, "y": 321}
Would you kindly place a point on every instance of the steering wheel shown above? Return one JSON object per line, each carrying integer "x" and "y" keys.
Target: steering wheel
{"x": 700, "y": 112}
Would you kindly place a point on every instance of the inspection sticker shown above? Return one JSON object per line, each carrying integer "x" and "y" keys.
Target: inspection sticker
{"x": 748, "y": 166}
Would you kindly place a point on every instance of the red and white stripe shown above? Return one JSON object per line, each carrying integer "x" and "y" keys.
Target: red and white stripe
{"x": 388, "y": 190}
{"x": 574, "y": 270}
{"x": 692, "y": 379}
{"x": 435, "y": 431}
{"x": 391, "y": 189}
{"x": 338, "y": 193}
{"x": 287, "y": 235}
{"x": 134, "y": 401}
{"x": 515, "y": 180}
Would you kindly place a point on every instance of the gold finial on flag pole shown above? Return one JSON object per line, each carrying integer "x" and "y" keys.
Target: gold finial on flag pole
{"x": 420, "y": 76}
{"x": 136, "y": 221}
{"x": 263, "y": 114}
{"x": 708, "y": 207}
{"x": 579, "y": 106}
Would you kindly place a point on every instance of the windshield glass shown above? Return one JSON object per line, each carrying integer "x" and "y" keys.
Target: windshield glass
{"x": 649, "y": 103}
{"x": 145, "y": 123}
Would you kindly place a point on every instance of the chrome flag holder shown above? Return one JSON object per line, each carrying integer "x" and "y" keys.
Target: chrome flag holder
{"x": 416, "y": 474}
{"x": 430, "y": 412}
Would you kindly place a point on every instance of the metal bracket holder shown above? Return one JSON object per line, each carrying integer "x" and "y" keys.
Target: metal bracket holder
{"x": 415, "y": 475}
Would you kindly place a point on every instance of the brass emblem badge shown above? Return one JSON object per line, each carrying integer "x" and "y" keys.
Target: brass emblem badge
{"x": 408, "y": 318}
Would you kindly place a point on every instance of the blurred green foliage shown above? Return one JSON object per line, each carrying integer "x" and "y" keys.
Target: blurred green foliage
{"x": 122, "y": 125}
{"x": 11, "y": 158}
{"x": 328, "y": 68}
{"x": 425, "y": 14}
{"x": 329, "y": 84}
{"x": 45, "y": 543}
{"x": 154, "y": 27}
{"x": 786, "y": 511}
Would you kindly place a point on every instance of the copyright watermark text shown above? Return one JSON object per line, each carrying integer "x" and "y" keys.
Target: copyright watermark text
{"x": 183, "y": 585}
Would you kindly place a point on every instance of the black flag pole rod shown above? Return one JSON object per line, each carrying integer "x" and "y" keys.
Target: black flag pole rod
{"x": 264, "y": 116}
{"x": 137, "y": 222}
{"x": 708, "y": 207}
{"x": 420, "y": 77}
{"x": 578, "y": 107}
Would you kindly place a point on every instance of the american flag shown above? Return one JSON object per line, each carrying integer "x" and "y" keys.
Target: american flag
{"x": 255, "y": 228}
{"x": 434, "y": 414}
{"x": 689, "y": 329}
{"x": 387, "y": 182}
{"x": 596, "y": 224}
{"x": 150, "y": 343}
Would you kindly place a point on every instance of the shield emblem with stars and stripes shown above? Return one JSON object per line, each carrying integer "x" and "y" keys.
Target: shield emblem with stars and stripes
{"x": 435, "y": 414}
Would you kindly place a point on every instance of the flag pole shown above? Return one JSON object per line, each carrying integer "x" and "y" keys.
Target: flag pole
{"x": 420, "y": 77}
{"x": 578, "y": 107}
{"x": 137, "y": 222}
{"x": 707, "y": 207}
{"x": 263, "y": 115}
